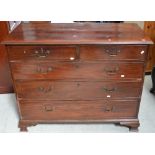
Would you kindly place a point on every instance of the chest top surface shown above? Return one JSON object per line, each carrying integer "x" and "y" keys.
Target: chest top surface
{"x": 77, "y": 33}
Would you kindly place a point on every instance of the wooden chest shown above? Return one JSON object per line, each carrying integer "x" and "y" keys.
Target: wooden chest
{"x": 77, "y": 73}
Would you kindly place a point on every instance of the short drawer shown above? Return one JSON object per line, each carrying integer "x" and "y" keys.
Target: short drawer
{"x": 113, "y": 52}
{"x": 77, "y": 110}
{"x": 34, "y": 53}
{"x": 58, "y": 90}
{"x": 75, "y": 71}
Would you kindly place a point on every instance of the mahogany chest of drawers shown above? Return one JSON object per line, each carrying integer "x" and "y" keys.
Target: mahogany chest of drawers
{"x": 77, "y": 73}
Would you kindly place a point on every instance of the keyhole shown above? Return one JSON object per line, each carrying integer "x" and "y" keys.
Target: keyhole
{"x": 77, "y": 66}
{"x": 78, "y": 84}
{"x": 148, "y": 26}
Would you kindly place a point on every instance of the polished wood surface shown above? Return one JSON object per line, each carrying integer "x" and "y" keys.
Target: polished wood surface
{"x": 77, "y": 33}
{"x": 113, "y": 52}
{"x": 79, "y": 73}
{"x": 91, "y": 52}
{"x": 5, "y": 76}
{"x": 79, "y": 110}
{"x": 78, "y": 90}
{"x": 38, "y": 53}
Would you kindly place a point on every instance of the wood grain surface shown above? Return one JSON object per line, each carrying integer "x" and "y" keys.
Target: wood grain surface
{"x": 77, "y": 33}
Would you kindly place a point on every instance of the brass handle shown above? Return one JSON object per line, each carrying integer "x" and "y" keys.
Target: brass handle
{"x": 45, "y": 90}
{"x": 40, "y": 70}
{"x": 112, "y": 52}
{"x": 111, "y": 70}
{"x": 42, "y": 53}
{"x": 109, "y": 90}
{"x": 48, "y": 108}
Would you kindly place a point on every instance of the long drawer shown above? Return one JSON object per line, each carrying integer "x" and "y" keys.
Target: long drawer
{"x": 77, "y": 70}
{"x": 113, "y": 52}
{"x": 77, "y": 110}
{"x": 38, "y": 53}
{"x": 55, "y": 90}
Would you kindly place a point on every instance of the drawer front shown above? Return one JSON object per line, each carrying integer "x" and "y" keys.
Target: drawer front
{"x": 55, "y": 90}
{"x": 113, "y": 52}
{"x": 34, "y": 53}
{"x": 85, "y": 71}
{"x": 77, "y": 110}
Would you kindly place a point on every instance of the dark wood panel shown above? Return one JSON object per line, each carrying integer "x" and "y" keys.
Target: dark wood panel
{"x": 107, "y": 52}
{"x": 77, "y": 90}
{"x": 77, "y": 33}
{"x": 41, "y": 53}
{"x": 113, "y": 52}
{"x": 79, "y": 110}
{"x": 76, "y": 70}
{"x": 5, "y": 76}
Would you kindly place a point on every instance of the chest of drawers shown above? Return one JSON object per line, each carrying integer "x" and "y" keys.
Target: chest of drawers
{"x": 77, "y": 73}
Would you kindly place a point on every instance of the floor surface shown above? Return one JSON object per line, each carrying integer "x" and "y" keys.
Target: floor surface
{"x": 9, "y": 117}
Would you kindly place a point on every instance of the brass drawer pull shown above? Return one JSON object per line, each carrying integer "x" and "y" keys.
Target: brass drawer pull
{"x": 45, "y": 90}
{"x": 48, "y": 108}
{"x": 44, "y": 71}
{"x": 109, "y": 90}
{"x": 112, "y": 52}
{"x": 111, "y": 70}
{"x": 42, "y": 53}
